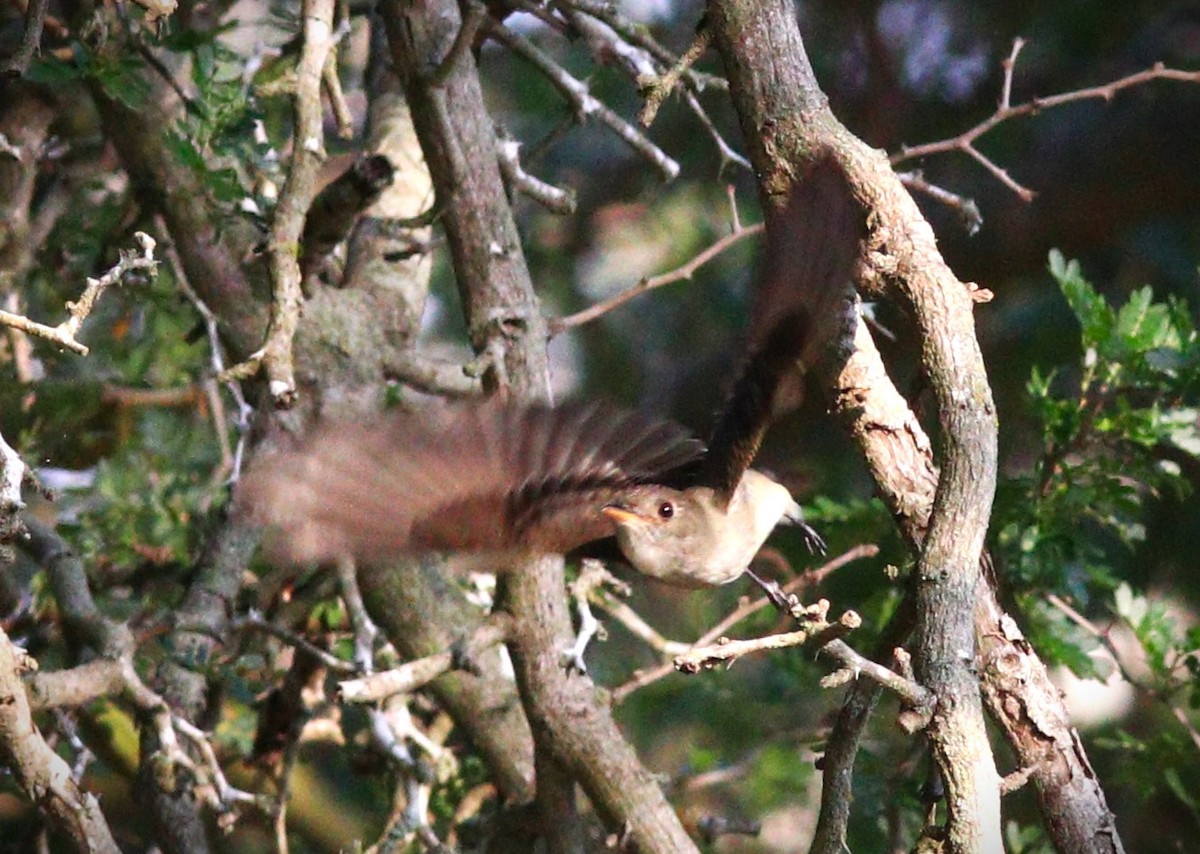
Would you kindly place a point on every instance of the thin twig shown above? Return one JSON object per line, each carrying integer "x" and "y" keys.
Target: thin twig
{"x": 966, "y": 209}
{"x": 746, "y": 607}
{"x": 413, "y": 675}
{"x": 64, "y": 334}
{"x": 726, "y": 651}
{"x": 1106, "y": 641}
{"x": 308, "y": 150}
{"x": 965, "y": 141}
{"x": 576, "y": 91}
{"x": 12, "y": 475}
{"x": 639, "y": 35}
{"x": 552, "y": 198}
{"x": 254, "y": 621}
{"x": 424, "y": 373}
{"x": 657, "y": 90}
{"x": 216, "y": 350}
{"x": 473, "y": 18}
{"x": 31, "y": 39}
{"x": 683, "y": 271}
{"x": 727, "y": 152}
{"x": 332, "y": 85}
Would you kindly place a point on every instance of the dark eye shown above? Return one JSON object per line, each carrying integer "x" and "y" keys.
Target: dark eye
{"x": 666, "y": 510}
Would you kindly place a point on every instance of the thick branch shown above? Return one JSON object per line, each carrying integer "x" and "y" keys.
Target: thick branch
{"x": 42, "y": 774}
{"x": 574, "y": 728}
{"x": 458, "y": 139}
{"x": 308, "y": 150}
{"x": 784, "y": 119}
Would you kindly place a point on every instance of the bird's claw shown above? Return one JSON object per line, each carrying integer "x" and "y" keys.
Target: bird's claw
{"x": 783, "y": 602}
{"x": 812, "y": 540}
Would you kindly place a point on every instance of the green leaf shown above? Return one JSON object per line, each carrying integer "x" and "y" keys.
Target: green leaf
{"x": 1092, "y": 312}
{"x": 49, "y": 70}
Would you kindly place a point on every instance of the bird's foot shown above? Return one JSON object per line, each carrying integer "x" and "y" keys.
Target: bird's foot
{"x": 794, "y": 516}
{"x": 812, "y": 540}
{"x": 783, "y": 602}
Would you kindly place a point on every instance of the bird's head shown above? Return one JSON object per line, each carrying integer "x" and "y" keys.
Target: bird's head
{"x": 666, "y": 533}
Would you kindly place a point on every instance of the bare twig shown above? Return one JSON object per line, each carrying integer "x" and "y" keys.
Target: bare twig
{"x": 643, "y": 68}
{"x": 1105, "y": 638}
{"x": 12, "y": 475}
{"x": 745, "y": 608}
{"x": 682, "y": 272}
{"x": 657, "y": 90}
{"x": 966, "y": 209}
{"x": 633, "y": 622}
{"x": 636, "y": 34}
{"x": 727, "y": 152}
{"x": 413, "y": 675}
{"x": 552, "y": 198}
{"x": 726, "y": 651}
{"x": 965, "y": 141}
{"x": 64, "y": 334}
{"x": 592, "y": 574}
{"x": 392, "y": 728}
{"x": 337, "y": 98}
{"x": 254, "y": 621}
{"x": 797, "y": 585}
{"x": 31, "y": 39}
{"x": 8, "y": 149}
{"x": 308, "y": 149}
{"x": 473, "y": 18}
{"x": 429, "y": 375}
{"x": 826, "y": 637}
{"x": 226, "y": 795}
{"x": 232, "y": 466}
{"x": 576, "y": 91}
{"x": 363, "y": 626}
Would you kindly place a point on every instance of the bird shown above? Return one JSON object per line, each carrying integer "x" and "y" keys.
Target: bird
{"x": 507, "y": 478}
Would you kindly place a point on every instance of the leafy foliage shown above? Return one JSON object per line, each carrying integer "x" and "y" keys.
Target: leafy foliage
{"x": 1113, "y": 431}
{"x": 1103, "y": 441}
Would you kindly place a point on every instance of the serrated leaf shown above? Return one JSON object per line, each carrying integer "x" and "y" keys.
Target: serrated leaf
{"x": 50, "y": 70}
{"x": 1095, "y": 318}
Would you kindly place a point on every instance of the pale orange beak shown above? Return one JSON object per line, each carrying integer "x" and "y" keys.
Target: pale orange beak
{"x": 619, "y": 514}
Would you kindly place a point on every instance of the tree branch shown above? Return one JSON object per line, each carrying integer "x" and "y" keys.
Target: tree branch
{"x": 64, "y": 334}
{"x": 287, "y": 224}
{"x": 42, "y": 774}
{"x": 965, "y": 141}
{"x": 785, "y": 118}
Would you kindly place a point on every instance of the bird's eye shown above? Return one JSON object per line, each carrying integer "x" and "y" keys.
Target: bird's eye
{"x": 666, "y": 510}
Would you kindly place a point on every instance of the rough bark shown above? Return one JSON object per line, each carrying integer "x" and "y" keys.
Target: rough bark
{"x": 506, "y": 324}
{"x": 784, "y": 117}
{"x": 42, "y": 774}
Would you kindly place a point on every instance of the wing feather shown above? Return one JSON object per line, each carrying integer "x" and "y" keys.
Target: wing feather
{"x": 486, "y": 476}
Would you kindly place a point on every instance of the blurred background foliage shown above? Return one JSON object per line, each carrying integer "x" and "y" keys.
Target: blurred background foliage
{"x": 1093, "y": 361}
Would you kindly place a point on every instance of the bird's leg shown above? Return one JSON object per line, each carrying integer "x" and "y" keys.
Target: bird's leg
{"x": 782, "y": 601}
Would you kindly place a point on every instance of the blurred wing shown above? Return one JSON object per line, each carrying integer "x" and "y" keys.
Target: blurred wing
{"x": 812, "y": 251}
{"x": 491, "y": 477}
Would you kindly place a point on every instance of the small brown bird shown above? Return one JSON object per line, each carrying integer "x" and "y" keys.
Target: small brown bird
{"x": 512, "y": 478}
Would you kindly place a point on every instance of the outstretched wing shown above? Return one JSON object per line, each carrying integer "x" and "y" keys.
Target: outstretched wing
{"x": 811, "y": 254}
{"x": 487, "y": 476}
